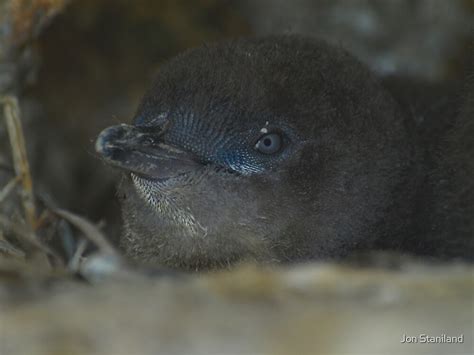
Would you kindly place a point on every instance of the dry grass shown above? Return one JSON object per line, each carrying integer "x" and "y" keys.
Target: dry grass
{"x": 26, "y": 228}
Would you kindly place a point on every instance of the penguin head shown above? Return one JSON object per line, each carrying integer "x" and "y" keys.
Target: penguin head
{"x": 281, "y": 148}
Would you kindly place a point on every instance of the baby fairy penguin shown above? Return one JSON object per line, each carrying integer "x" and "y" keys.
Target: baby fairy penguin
{"x": 274, "y": 149}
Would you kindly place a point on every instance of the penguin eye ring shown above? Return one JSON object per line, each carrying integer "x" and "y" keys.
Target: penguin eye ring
{"x": 269, "y": 143}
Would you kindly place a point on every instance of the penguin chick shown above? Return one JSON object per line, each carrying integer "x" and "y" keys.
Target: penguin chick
{"x": 280, "y": 148}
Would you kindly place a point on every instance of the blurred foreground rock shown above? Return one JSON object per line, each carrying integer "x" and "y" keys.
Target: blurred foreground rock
{"x": 312, "y": 309}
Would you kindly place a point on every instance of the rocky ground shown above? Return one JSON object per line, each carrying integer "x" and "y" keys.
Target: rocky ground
{"x": 312, "y": 309}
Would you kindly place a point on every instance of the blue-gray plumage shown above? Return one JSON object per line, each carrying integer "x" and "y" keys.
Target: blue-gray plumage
{"x": 281, "y": 148}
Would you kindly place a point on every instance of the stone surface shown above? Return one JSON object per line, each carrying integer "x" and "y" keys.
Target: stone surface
{"x": 311, "y": 309}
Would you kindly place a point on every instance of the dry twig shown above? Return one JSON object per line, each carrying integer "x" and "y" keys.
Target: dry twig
{"x": 20, "y": 159}
{"x": 90, "y": 231}
{"x": 8, "y": 249}
{"x": 27, "y": 235}
{"x": 75, "y": 262}
{"x": 28, "y": 240}
{"x": 8, "y": 188}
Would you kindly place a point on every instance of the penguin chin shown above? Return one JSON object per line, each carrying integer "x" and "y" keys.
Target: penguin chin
{"x": 149, "y": 184}
{"x": 160, "y": 197}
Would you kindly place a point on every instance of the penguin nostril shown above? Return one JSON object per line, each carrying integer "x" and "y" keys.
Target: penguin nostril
{"x": 148, "y": 141}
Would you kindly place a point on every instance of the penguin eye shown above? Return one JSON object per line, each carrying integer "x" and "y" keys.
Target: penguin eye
{"x": 269, "y": 143}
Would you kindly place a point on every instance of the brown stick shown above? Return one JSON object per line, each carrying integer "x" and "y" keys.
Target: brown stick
{"x": 20, "y": 159}
{"x": 29, "y": 242}
{"x": 90, "y": 231}
{"x": 8, "y": 188}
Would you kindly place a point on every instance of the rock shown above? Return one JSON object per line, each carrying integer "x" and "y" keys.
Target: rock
{"x": 310, "y": 309}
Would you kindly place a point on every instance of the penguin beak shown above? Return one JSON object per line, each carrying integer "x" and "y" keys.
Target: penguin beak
{"x": 142, "y": 151}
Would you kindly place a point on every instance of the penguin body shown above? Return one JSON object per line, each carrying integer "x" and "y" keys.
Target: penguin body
{"x": 275, "y": 149}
